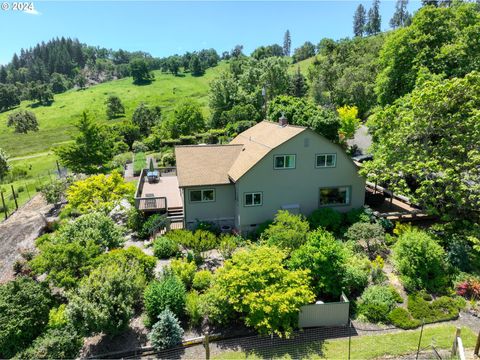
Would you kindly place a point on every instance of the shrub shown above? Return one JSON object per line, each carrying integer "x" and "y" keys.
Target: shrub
{"x": 166, "y": 332}
{"x": 357, "y": 269}
{"x": 106, "y": 299}
{"x": 287, "y": 231}
{"x": 326, "y": 218}
{"x": 370, "y": 237}
{"x": 201, "y": 242}
{"x": 98, "y": 193}
{"x": 152, "y": 225}
{"x": 442, "y": 309}
{"x": 57, "y": 317}
{"x": 95, "y": 227}
{"x": 469, "y": 289}
{"x": 135, "y": 219}
{"x": 55, "y": 191}
{"x": 193, "y": 308}
{"x": 228, "y": 244}
{"x": 57, "y": 343}
{"x": 185, "y": 270}
{"x": 325, "y": 257}
{"x": 420, "y": 261}
{"x": 166, "y": 293}
{"x": 202, "y": 280}
{"x": 376, "y": 303}
{"x": 24, "y": 308}
{"x": 402, "y": 319}
{"x": 139, "y": 147}
{"x": 131, "y": 256}
{"x": 164, "y": 248}
{"x": 356, "y": 215}
{"x": 257, "y": 285}
{"x": 181, "y": 237}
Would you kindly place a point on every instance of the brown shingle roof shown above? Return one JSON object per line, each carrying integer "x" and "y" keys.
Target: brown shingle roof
{"x": 199, "y": 165}
{"x": 205, "y": 164}
{"x": 258, "y": 141}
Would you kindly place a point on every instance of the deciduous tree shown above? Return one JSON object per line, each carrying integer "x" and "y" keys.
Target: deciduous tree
{"x": 23, "y": 121}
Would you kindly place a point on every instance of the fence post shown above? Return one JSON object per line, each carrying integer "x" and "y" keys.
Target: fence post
{"x": 454, "y": 347}
{"x": 420, "y": 339}
{"x": 4, "y": 206}
{"x": 349, "y": 337}
{"x": 206, "y": 345}
{"x": 477, "y": 347}
{"x": 14, "y": 196}
{"x": 26, "y": 188}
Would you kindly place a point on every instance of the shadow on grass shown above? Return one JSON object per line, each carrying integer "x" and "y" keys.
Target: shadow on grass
{"x": 302, "y": 344}
{"x": 144, "y": 82}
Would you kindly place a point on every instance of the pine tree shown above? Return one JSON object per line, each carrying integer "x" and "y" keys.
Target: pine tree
{"x": 3, "y": 75}
{"x": 374, "y": 19}
{"x": 287, "y": 43}
{"x": 401, "y": 17}
{"x": 359, "y": 21}
{"x": 298, "y": 85}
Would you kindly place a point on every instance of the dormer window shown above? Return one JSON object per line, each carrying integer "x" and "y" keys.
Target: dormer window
{"x": 284, "y": 162}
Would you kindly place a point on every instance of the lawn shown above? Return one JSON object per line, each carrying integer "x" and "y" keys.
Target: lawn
{"x": 39, "y": 170}
{"x": 366, "y": 347}
{"x": 56, "y": 122}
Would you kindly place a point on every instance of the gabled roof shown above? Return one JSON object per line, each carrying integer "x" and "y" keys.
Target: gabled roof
{"x": 257, "y": 142}
{"x": 199, "y": 165}
{"x": 205, "y": 164}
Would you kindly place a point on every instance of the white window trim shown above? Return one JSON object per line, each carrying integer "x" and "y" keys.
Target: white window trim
{"x": 284, "y": 156}
{"x": 201, "y": 195}
{"x": 253, "y": 197}
{"x": 326, "y": 166}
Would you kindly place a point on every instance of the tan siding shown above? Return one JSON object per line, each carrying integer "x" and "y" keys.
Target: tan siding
{"x": 300, "y": 185}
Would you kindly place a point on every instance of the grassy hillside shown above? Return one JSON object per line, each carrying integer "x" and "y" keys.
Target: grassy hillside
{"x": 304, "y": 65}
{"x": 57, "y": 121}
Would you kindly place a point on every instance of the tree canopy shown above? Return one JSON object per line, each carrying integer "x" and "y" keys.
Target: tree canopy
{"x": 426, "y": 146}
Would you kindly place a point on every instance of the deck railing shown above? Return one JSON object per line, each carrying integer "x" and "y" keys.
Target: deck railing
{"x": 152, "y": 203}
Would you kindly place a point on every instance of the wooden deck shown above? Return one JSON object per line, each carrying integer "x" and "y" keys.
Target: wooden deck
{"x": 161, "y": 196}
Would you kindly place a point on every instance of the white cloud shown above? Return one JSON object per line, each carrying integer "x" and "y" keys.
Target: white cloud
{"x": 32, "y": 11}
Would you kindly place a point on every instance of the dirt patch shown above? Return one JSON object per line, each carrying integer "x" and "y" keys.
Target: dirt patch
{"x": 19, "y": 232}
{"x": 396, "y": 283}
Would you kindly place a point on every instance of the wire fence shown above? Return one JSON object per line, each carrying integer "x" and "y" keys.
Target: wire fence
{"x": 21, "y": 189}
{"x": 340, "y": 342}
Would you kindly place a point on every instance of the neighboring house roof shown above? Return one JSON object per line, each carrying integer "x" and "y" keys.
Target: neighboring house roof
{"x": 205, "y": 164}
{"x": 199, "y": 165}
{"x": 257, "y": 142}
{"x": 362, "y": 139}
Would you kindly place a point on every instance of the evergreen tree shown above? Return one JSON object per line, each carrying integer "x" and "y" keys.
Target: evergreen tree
{"x": 92, "y": 149}
{"x": 115, "y": 107}
{"x": 3, "y": 75}
{"x": 298, "y": 85}
{"x": 359, "y": 21}
{"x": 374, "y": 19}
{"x": 287, "y": 43}
{"x": 401, "y": 17}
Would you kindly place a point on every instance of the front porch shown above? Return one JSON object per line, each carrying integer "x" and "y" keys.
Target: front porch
{"x": 160, "y": 196}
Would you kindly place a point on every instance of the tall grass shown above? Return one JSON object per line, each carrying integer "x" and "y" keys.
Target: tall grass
{"x": 139, "y": 163}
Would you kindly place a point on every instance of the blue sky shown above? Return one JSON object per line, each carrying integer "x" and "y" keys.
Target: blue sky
{"x": 163, "y": 28}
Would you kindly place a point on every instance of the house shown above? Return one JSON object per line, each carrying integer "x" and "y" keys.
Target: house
{"x": 270, "y": 166}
